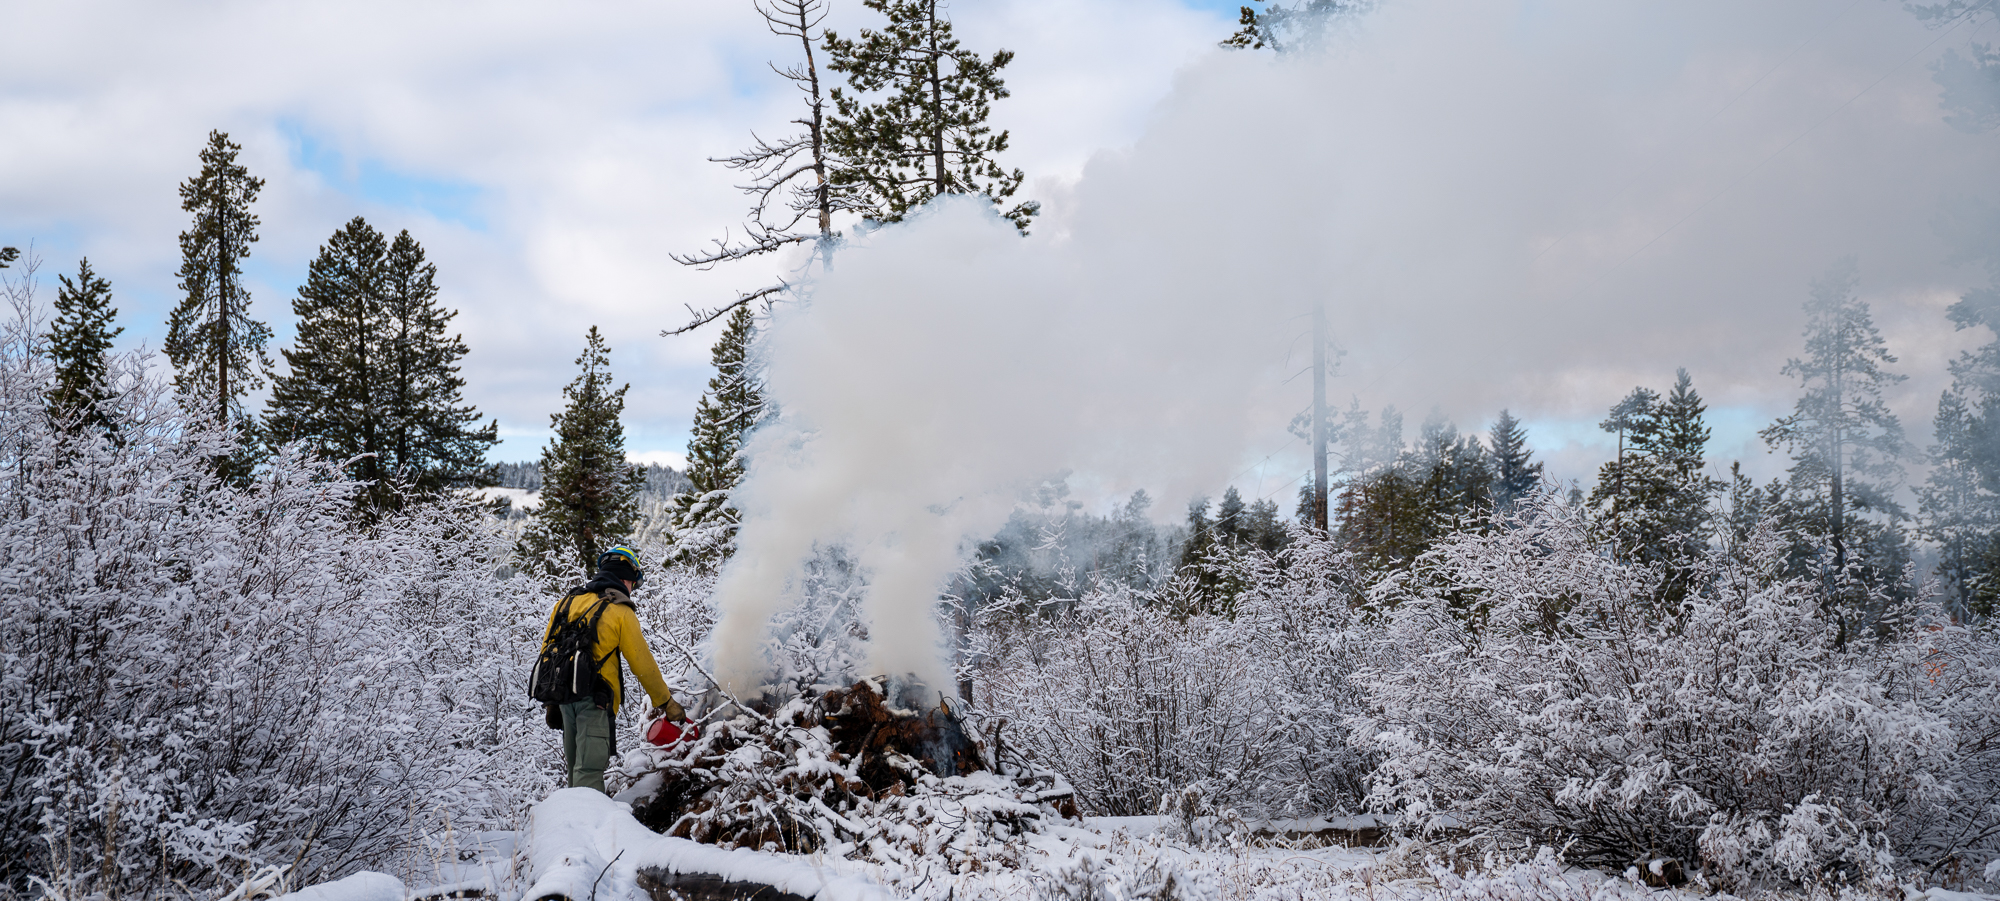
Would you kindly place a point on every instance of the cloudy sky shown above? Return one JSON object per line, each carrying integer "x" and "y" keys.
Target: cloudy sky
{"x": 548, "y": 156}
{"x": 1534, "y": 204}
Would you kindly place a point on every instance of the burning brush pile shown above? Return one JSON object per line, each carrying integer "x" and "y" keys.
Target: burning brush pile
{"x": 872, "y": 772}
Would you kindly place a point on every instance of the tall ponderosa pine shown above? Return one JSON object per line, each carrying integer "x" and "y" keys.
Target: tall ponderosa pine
{"x": 330, "y": 397}
{"x": 589, "y": 490}
{"x": 1959, "y": 504}
{"x": 1959, "y": 511}
{"x": 1514, "y": 475}
{"x": 211, "y": 339}
{"x": 374, "y": 375}
{"x": 1846, "y": 448}
{"x": 79, "y": 339}
{"x": 926, "y": 134}
{"x": 702, "y": 520}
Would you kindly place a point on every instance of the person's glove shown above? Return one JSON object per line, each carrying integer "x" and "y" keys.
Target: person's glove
{"x": 671, "y": 710}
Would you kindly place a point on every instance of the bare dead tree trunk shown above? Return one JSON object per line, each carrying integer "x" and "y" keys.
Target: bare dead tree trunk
{"x": 1319, "y": 417}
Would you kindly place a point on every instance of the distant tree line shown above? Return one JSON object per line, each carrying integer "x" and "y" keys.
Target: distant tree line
{"x": 661, "y": 481}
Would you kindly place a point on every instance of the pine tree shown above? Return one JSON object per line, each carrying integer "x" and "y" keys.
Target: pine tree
{"x": 1262, "y": 530}
{"x": 1201, "y": 534}
{"x": 1229, "y": 517}
{"x": 1654, "y": 499}
{"x": 1959, "y": 506}
{"x": 434, "y": 441}
{"x": 926, "y": 136}
{"x": 1747, "y": 507}
{"x": 702, "y": 520}
{"x": 1514, "y": 477}
{"x": 1684, "y": 490}
{"x": 1444, "y": 483}
{"x": 1282, "y": 28}
{"x": 1612, "y": 494}
{"x": 211, "y": 339}
{"x": 331, "y": 396}
{"x": 1846, "y": 448}
{"x": 1956, "y": 513}
{"x": 589, "y": 490}
{"x": 373, "y": 376}
{"x": 1383, "y": 519}
{"x": 1457, "y": 475}
{"x": 79, "y": 339}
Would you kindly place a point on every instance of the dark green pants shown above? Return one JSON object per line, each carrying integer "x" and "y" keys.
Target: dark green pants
{"x": 589, "y": 740}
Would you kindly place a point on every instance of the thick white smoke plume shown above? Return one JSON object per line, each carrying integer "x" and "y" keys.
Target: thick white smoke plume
{"x": 1532, "y": 205}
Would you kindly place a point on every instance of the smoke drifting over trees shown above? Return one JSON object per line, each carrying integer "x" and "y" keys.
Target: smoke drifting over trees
{"x": 956, "y": 456}
{"x": 1484, "y": 240}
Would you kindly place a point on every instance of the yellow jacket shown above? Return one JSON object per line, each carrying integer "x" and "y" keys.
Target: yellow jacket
{"x": 618, "y": 631}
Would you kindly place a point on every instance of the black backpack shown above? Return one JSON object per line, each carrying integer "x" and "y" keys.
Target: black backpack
{"x": 567, "y": 670}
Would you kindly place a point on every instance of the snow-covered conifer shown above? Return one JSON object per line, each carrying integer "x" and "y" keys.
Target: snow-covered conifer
{"x": 589, "y": 490}
{"x": 80, "y": 342}
{"x": 1847, "y": 448}
{"x": 701, "y": 523}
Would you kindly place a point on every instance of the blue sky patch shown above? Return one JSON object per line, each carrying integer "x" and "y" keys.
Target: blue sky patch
{"x": 372, "y": 180}
{"x": 1228, "y": 9}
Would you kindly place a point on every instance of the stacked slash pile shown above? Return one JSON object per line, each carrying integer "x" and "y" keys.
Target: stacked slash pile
{"x": 846, "y": 773}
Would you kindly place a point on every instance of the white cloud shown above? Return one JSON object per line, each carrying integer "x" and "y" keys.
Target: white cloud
{"x": 579, "y": 133}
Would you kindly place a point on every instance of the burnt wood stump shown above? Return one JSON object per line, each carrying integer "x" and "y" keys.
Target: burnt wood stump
{"x": 662, "y": 885}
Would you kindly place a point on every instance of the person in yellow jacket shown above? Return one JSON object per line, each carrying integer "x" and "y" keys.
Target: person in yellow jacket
{"x": 589, "y": 724}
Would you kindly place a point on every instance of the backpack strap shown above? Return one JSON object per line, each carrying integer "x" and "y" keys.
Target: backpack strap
{"x": 596, "y": 617}
{"x": 557, "y": 617}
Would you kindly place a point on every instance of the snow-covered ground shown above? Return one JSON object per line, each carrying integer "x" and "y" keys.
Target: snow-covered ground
{"x": 521, "y": 498}
{"x": 580, "y": 844}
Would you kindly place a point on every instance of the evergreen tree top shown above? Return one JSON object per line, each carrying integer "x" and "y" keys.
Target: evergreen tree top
{"x": 216, "y": 348}
{"x": 84, "y": 312}
{"x": 1841, "y": 418}
{"x": 1684, "y": 432}
{"x": 79, "y": 339}
{"x": 1513, "y": 475}
{"x": 1633, "y": 413}
{"x": 374, "y": 375}
{"x": 223, "y": 191}
{"x": 926, "y": 135}
{"x": 732, "y": 406}
{"x": 589, "y": 490}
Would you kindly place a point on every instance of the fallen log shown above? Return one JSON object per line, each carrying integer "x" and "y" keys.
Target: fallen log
{"x": 581, "y": 844}
{"x": 661, "y": 885}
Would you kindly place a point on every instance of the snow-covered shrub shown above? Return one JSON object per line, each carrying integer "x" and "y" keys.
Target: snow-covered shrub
{"x": 1542, "y": 878}
{"x": 1954, "y": 670}
{"x": 1529, "y": 693}
{"x": 198, "y": 680}
{"x": 1133, "y": 702}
